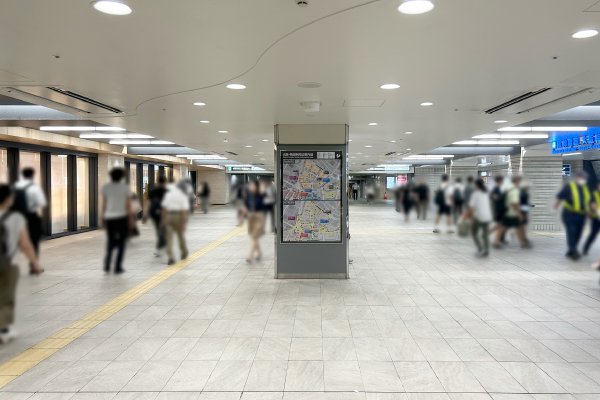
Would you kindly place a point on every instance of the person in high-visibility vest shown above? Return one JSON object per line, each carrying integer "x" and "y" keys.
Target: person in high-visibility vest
{"x": 595, "y": 217}
{"x": 575, "y": 198}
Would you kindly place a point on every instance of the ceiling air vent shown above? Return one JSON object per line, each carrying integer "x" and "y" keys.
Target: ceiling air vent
{"x": 232, "y": 153}
{"x": 536, "y": 98}
{"x": 516, "y": 100}
{"x": 60, "y": 99}
{"x": 390, "y": 153}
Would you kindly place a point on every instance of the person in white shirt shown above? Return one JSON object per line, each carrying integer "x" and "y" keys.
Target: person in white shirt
{"x": 29, "y": 201}
{"x": 355, "y": 191}
{"x": 175, "y": 206}
{"x": 480, "y": 211}
{"x": 444, "y": 197}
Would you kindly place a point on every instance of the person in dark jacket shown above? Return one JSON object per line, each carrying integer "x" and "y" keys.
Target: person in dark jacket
{"x": 204, "y": 196}
{"x": 255, "y": 209}
{"x": 153, "y": 210}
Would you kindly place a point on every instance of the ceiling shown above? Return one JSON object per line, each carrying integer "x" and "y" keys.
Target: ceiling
{"x": 465, "y": 56}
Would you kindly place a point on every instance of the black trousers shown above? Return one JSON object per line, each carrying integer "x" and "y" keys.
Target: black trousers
{"x": 117, "y": 230}
{"x": 574, "y": 228}
{"x": 161, "y": 235}
{"x": 34, "y": 226}
{"x": 355, "y": 195}
{"x": 593, "y": 234}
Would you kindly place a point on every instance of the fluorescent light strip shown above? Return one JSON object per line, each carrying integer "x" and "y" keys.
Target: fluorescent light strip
{"x": 571, "y": 154}
{"x": 431, "y": 156}
{"x": 115, "y": 136}
{"x": 422, "y": 158}
{"x": 486, "y": 142}
{"x": 205, "y": 158}
{"x": 512, "y": 136}
{"x": 147, "y": 142}
{"x": 393, "y": 165}
{"x": 544, "y": 129}
{"x": 81, "y": 128}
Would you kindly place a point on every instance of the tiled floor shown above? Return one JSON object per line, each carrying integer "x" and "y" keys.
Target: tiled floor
{"x": 421, "y": 319}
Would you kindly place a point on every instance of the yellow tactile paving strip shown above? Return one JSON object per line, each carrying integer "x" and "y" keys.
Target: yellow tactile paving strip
{"x": 44, "y": 349}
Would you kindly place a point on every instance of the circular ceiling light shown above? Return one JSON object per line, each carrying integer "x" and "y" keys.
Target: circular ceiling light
{"x": 393, "y": 141}
{"x": 309, "y": 85}
{"x": 265, "y": 140}
{"x": 248, "y": 146}
{"x": 408, "y": 149}
{"x": 372, "y": 123}
{"x": 501, "y": 121}
{"x": 224, "y": 140}
{"x": 112, "y": 7}
{"x": 368, "y": 146}
{"x": 389, "y": 86}
{"x": 587, "y": 33}
{"x": 223, "y": 131}
{"x": 415, "y": 6}
{"x": 408, "y": 133}
{"x": 235, "y": 86}
{"x": 204, "y": 122}
{"x": 199, "y": 103}
{"x": 427, "y": 104}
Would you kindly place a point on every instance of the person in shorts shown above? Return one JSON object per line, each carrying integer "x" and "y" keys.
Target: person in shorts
{"x": 443, "y": 199}
{"x": 256, "y": 218}
{"x": 513, "y": 217}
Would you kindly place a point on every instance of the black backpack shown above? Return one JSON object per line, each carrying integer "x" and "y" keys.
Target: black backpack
{"x": 5, "y": 257}
{"x": 20, "y": 200}
{"x": 458, "y": 197}
{"x": 440, "y": 199}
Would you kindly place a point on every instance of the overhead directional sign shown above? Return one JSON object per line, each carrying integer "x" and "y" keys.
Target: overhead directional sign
{"x": 568, "y": 142}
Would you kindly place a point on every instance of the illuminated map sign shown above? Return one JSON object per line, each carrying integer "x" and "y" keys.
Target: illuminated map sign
{"x": 568, "y": 142}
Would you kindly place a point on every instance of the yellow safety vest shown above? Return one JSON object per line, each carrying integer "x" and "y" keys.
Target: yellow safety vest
{"x": 576, "y": 206}
{"x": 597, "y": 201}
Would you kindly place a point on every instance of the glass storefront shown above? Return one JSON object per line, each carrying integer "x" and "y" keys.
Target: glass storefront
{"x": 83, "y": 193}
{"x": 58, "y": 193}
{"x": 31, "y": 159}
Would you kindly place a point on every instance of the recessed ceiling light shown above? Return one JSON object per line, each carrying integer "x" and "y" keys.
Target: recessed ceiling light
{"x": 427, "y": 104}
{"x": 112, "y": 7}
{"x": 349, "y": 140}
{"x": 393, "y": 141}
{"x": 223, "y": 131}
{"x": 358, "y": 153}
{"x": 225, "y": 141}
{"x": 248, "y": 146}
{"x": 415, "y": 6}
{"x": 368, "y": 146}
{"x": 204, "y": 122}
{"x": 265, "y": 140}
{"x": 587, "y": 33}
{"x": 198, "y": 103}
{"x": 390, "y": 86}
{"x": 262, "y": 159}
{"x": 236, "y": 86}
{"x": 366, "y": 156}
{"x": 408, "y": 149}
{"x": 500, "y": 121}
{"x": 372, "y": 123}
{"x": 309, "y": 85}
{"x": 408, "y": 133}
{"x": 352, "y": 157}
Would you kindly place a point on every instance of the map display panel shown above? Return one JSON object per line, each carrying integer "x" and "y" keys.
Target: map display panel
{"x": 311, "y": 196}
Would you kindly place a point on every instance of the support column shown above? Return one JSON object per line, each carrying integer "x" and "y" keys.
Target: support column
{"x": 218, "y": 182}
{"x": 311, "y": 211}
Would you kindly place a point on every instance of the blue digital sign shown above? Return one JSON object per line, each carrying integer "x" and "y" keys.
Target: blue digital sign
{"x": 568, "y": 142}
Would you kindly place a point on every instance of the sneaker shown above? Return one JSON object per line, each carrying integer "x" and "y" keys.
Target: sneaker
{"x": 119, "y": 271}
{"x": 106, "y": 268}
{"x": 436, "y": 231}
{"x": 158, "y": 252}
{"x": 8, "y": 334}
{"x": 184, "y": 256}
{"x": 170, "y": 262}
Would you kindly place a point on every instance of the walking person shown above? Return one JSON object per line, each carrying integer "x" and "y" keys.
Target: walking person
{"x": 480, "y": 211}
{"x": 575, "y": 199}
{"x": 595, "y": 219}
{"x": 407, "y": 199}
{"x": 457, "y": 200}
{"x": 175, "y": 208}
{"x": 117, "y": 217}
{"x": 370, "y": 193}
{"x": 269, "y": 190}
{"x": 513, "y": 217}
{"x": 526, "y": 207}
{"x": 443, "y": 199}
{"x": 15, "y": 237}
{"x": 355, "y": 188}
{"x": 29, "y": 200}
{"x": 422, "y": 195}
{"x": 469, "y": 189}
{"x": 204, "y": 197}
{"x": 498, "y": 206}
{"x": 256, "y": 219}
{"x": 153, "y": 210}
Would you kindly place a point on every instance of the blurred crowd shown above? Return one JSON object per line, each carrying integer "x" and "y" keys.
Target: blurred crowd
{"x": 253, "y": 201}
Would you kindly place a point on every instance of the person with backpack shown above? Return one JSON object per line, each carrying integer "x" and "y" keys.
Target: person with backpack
{"x": 13, "y": 237}
{"x": 457, "y": 199}
{"x": 575, "y": 198}
{"x": 513, "y": 216}
{"x": 29, "y": 200}
{"x": 480, "y": 211}
{"x": 153, "y": 210}
{"x": 443, "y": 199}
